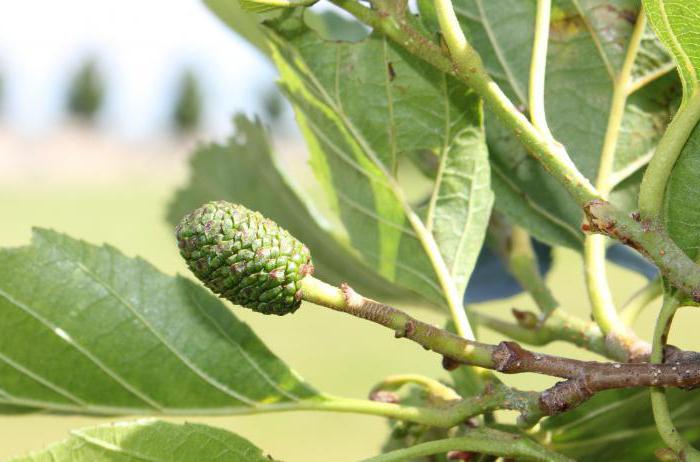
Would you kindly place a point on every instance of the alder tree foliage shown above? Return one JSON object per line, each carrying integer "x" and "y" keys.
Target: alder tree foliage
{"x": 525, "y": 125}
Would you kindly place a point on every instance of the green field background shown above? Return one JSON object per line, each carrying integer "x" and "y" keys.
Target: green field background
{"x": 336, "y": 353}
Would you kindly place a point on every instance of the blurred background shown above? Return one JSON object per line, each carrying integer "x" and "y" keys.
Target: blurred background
{"x": 100, "y": 105}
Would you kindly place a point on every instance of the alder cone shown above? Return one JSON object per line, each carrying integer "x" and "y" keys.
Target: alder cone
{"x": 244, "y": 257}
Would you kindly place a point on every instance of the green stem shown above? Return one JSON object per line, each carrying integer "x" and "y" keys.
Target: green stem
{"x": 432, "y": 416}
{"x": 465, "y": 64}
{"x": 662, "y": 415}
{"x": 653, "y": 188}
{"x": 559, "y": 326}
{"x": 522, "y": 263}
{"x": 538, "y": 67}
{"x": 551, "y": 154}
{"x": 602, "y": 305}
{"x": 348, "y": 301}
{"x": 599, "y": 293}
{"x": 621, "y": 90}
{"x": 649, "y": 238}
{"x": 640, "y": 300}
{"x": 584, "y": 378}
{"x": 417, "y": 45}
{"x": 482, "y": 441}
{"x": 432, "y": 386}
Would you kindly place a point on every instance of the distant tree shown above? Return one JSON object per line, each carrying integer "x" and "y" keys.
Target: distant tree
{"x": 272, "y": 105}
{"x": 187, "y": 112}
{"x": 86, "y": 91}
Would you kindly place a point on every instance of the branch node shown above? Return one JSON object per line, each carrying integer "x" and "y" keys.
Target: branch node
{"x": 508, "y": 357}
{"x": 409, "y": 328}
{"x": 564, "y": 396}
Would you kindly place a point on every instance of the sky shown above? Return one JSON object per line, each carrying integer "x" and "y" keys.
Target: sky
{"x": 141, "y": 46}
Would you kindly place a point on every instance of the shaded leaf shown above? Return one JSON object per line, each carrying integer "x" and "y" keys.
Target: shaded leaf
{"x": 619, "y": 425}
{"x": 85, "y": 329}
{"x": 150, "y": 440}
{"x": 245, "y": 170}
{"x": 682, "y": 198}
{"x": 588, "y": 42}
{"x": 462, "y": 199}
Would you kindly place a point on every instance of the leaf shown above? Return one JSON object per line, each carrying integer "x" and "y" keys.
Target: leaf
{"x": 150, "y": 440}
{"x": 677, "y": 24}
{"x": 361, "y": 106}
{"x": 246, "y": 171}
{"x": 462, "y": 199}
{"x": 588, "y": 41}
{"x": 682, "y": 198}
{"x": 619, "y": 425}
{"x": 85, "y": 329}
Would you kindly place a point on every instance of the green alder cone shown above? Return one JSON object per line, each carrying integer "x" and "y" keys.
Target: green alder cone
{"x": 244, "y": 257}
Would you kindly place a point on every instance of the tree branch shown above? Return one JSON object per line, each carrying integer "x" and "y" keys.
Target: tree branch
{"x": 515, "y": 248}
{"x": 650, "y": 239}
{"x": 583, "y": 378}
{"x": 465, "y": 64}
{"x": 594, "y": 246}
{"x": 558, "y": 326}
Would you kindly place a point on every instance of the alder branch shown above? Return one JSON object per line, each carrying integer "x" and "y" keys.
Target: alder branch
{"x": 464, "y": 63}
{"x": 650, "y": 239}
{"x": 513, "y": 245}
{"x": 582, "y": 378}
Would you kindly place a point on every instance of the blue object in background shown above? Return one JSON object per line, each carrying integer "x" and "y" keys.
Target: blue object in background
{"x": 632, "y": 260}
{"x": 491, "y": 279}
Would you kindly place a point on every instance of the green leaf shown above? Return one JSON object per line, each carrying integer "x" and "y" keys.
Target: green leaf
{"x": 682, "y": 198}
{"x": 462, "y": 199}
{"x": 245, "y": 170}
{"x": 588, "y": 42}
{"x": 619, "y": 425}
{"x": 677, "y": 23}
{"x": 263, "y": 6}
{"x": 85, "y": 329}
{"x": 361, "y": 106}
{"x": 150, "y": 440}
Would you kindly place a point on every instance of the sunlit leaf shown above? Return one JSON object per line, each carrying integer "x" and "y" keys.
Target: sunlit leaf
{"x": 677, "y": 23}
{"x": 85, "y": 329}
{"x": 152, "y": 441}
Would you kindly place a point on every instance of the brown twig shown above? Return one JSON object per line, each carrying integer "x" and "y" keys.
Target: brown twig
{"x": 583, "y": 378}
